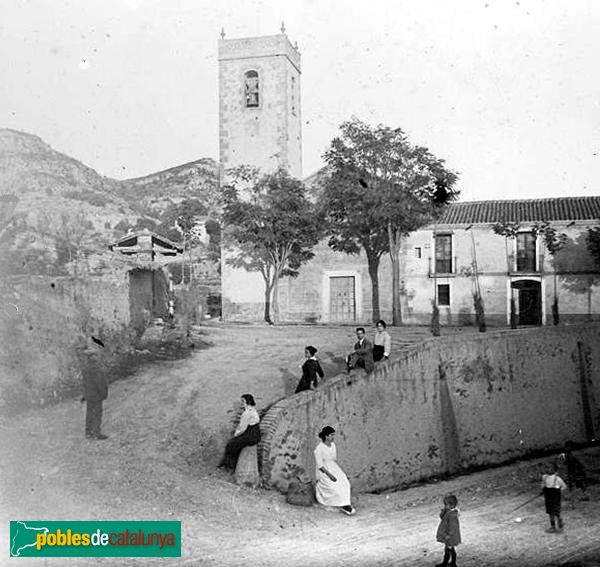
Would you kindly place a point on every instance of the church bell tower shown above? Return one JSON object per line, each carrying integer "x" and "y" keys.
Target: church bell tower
{"x": 259, "y": 104}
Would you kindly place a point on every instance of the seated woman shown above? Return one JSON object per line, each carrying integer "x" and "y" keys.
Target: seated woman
{"x": 311, "y": 371}
{"x": 333, "y": 486}
{"x": 382, "y": 343}
{"x": 246, "y": 434}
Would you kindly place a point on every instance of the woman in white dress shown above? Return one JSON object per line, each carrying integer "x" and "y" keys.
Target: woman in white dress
{"x": 333, "y": 487}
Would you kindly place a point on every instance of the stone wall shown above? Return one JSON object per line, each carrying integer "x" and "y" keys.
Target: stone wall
{"x": 447, "y": 406}
{"x": 44, "y": 322}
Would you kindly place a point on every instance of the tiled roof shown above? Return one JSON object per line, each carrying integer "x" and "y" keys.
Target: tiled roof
{"x": 526, "y": 210}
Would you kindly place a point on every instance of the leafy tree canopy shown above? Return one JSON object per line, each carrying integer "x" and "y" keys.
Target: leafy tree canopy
{"x": 377, "y": 178}
{"x": 271, "y": 223}
{"x": 379, "y": 188}
{"x": 271, "y": 219}
{"x": 180, "y": 219}
{"x": 593, "y": 244}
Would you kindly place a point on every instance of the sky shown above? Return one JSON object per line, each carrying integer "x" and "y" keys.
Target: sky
{"x": 507, "y": 92}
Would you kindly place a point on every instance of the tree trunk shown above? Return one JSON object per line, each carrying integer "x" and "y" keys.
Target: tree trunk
{"x": 513, "y": 309}
{"x": 268, "y": 289}
{"x": 183, "y": 262}
{"x": 275, "y": 300}
{"x": 395, "y": 244}
{"x": 373, "y": 261}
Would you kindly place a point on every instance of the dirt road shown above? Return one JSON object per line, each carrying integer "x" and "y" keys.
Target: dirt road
{"x": 165, "y": 425}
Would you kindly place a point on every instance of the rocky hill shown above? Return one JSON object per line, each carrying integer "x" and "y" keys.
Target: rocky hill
{"x": 56, "y": 213}
{"x": 158, "y": 191}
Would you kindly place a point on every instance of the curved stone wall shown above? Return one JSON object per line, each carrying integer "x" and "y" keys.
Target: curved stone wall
{"x": 450, "y": 404}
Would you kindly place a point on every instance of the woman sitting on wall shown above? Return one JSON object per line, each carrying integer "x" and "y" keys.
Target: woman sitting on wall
{"x": 246, "y": 434}
{"x": 333, "y": 486}
{"x": 311, "y": 371}
{"x": 382, "y": 343}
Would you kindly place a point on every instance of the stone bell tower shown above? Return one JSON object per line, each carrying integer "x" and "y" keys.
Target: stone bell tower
{"x": 259, "y": 103}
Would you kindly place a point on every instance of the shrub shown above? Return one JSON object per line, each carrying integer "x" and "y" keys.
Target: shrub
{"x": 435, "y": 319}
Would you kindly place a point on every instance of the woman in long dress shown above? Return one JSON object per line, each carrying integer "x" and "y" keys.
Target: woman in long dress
{"x": 333, "y": 486}
{"x": 311, "y": 371}
{"x": 246, "y": 434}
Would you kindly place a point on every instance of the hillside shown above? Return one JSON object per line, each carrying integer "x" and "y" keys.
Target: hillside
{"x": 57, "y": 215}
{"x": 156, "y": 192}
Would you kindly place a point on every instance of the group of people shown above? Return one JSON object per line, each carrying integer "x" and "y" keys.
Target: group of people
{"x": 332, "y": 486}
{"x": 364, "y": 355}
{"x": 367, "y": 353}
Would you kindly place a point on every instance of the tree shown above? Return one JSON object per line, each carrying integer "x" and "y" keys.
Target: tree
{"x": 509, "y": 230}
{"x": 180, "y": 222}
{"x": 554, "y": 242}
{"x": 272, "y": 225}
{"x": 434, "y": 325}
{"x": 579, "y": 266}
{"x": 213, "y": 229}
{"x": 593, "y": 244}
{"x": 379, "y": 188}
{"x": 73, "y": 237}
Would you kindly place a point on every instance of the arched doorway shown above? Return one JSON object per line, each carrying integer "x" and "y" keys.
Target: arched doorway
{"x": 529, "y": 301}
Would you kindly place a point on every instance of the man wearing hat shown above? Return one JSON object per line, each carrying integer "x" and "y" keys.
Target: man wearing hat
{"x": 95, "y": 389}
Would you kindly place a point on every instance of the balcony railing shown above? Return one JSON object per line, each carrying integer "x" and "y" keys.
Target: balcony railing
{"x": 442, "y": 267}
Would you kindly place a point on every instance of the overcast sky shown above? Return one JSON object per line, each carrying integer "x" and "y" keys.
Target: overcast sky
{"x": 507, "y": 92}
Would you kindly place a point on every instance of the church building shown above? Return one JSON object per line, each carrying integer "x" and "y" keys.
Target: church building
{"x": 442, "y": 264}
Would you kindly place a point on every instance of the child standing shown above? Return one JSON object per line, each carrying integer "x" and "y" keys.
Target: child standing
{"x": 552, "y": 486}
{"x": 448, "y": 531}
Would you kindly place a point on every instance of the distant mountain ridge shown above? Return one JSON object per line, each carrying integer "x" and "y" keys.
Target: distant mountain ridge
{"x": 54, "y": 210}
{"x": 196, "y": 179}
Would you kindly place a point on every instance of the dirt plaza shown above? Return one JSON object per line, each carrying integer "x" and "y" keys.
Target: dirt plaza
{"x": 164, "y": 424}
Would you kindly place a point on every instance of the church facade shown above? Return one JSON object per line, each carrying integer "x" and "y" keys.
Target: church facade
{"x": 260, "y": 125}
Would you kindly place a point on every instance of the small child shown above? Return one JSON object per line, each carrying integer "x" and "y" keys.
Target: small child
{"x": 552, "y": 486}
{"x": 448, "y": 531}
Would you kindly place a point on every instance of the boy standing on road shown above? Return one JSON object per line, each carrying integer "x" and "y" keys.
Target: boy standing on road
{"x": 552, "y": 487}
{"x": 448, "y": 531}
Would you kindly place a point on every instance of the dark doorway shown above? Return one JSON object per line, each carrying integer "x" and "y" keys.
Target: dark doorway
{"x": 148, "y": 296}
{"x": 529, "y": 302}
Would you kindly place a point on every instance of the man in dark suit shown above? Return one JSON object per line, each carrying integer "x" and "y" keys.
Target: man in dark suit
{"x": 362, "y": 356}
{"x": 95, "y": 388}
